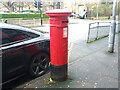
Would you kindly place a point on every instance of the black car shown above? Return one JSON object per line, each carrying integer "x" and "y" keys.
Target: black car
{"x": 22, "y": 51}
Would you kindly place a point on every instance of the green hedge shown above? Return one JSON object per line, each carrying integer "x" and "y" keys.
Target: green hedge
{"x": 22, "y": 16}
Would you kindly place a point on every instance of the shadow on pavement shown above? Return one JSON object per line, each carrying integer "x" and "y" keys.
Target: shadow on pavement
{"x": 21, "y": 82}
{"x": 13, "y": 84}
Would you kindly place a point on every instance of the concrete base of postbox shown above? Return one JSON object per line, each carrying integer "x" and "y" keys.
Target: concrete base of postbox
{"x": 59, "y": 73}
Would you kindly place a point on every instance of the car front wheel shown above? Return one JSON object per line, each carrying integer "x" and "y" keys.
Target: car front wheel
{"x": 39, "y": 64}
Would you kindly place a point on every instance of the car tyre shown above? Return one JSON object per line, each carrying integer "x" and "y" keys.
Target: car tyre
{"x": 39, "y": 64}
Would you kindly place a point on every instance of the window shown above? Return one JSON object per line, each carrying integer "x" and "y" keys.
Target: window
{"x": 30, "y": 34}
{"x": 5, "y": 38}
{"x": 12, "y": 35}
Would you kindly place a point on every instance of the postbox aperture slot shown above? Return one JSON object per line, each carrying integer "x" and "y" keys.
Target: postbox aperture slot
{"x": 65, "y": 22}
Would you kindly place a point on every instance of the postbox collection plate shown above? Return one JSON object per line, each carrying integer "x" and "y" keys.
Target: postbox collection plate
{"x": 65, "y": 32}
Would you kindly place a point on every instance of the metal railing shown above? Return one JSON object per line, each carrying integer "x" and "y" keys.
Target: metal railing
{"x": 99, "y": 30}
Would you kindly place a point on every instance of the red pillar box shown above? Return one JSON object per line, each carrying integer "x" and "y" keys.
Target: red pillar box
{"x": 58, "y": 43}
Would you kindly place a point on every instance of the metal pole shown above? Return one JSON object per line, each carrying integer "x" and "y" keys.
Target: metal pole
{"x": 97, "y": 8}
{"x": 41, "y": 20}
{"x": 41, "y": 17}
{"x": 112, "y": 29}
{"x": 97, "y": 31}
{"x": 88, "y": 34}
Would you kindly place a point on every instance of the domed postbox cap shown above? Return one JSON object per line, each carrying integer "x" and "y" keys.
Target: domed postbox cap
{"x": 58, "y": 12}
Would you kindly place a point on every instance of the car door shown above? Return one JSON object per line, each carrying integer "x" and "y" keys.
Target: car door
{"x": 13, "y": 55}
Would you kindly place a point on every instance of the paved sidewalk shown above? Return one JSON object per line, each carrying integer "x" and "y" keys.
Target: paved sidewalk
{"x": 90, "y": 66}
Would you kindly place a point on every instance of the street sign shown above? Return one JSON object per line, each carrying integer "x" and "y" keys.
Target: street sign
{"x": 38, "y": 4}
